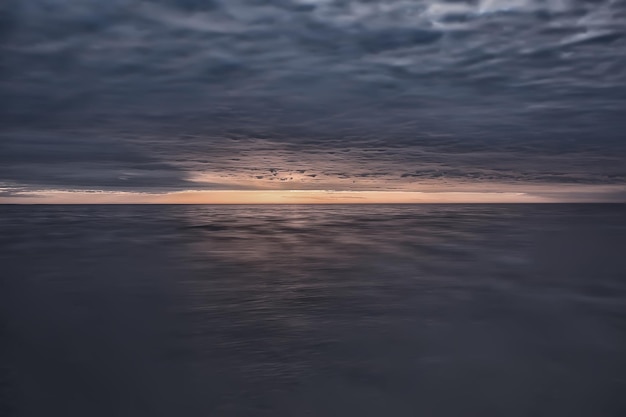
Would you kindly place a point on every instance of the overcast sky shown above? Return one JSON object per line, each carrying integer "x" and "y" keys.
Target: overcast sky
{"x": 162, "y": 96}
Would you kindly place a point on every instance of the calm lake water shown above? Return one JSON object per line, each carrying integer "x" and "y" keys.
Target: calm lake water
{"x": 424, "y": 310}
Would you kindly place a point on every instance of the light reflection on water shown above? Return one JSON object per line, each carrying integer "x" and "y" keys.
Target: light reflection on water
{"x": 314, "y": 310}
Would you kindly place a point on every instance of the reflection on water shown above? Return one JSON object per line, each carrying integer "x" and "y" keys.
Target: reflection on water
{"x": 438, "y": 310}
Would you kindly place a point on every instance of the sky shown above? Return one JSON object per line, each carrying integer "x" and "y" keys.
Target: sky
{"x": 253, "y": 101}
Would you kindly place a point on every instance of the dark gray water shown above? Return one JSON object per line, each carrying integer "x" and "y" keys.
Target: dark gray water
{"x": 434, "y": 310}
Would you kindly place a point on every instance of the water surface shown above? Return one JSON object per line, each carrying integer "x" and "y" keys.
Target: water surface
{"x": 437, "y": 310}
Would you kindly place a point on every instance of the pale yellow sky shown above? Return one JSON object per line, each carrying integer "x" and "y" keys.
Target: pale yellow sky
{"x": 539, "y": 194}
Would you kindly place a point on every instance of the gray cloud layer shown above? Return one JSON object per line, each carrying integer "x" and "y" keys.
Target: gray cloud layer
{"x": 129, "y": 94}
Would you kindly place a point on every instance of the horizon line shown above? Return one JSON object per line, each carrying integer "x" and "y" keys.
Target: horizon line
{"x": 318, "y": 197}
{"x": 319, "y": 204}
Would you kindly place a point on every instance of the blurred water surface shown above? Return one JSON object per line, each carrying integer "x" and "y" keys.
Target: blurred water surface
{"x": 437, "y": 310}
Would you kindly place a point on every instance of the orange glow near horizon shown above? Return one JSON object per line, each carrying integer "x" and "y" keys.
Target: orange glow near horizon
{"x": 339, "y": 197}
{"x": 487, "y": 193}
{"x": 272, "y": 197}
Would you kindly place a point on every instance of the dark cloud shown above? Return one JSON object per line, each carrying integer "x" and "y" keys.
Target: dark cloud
{"x": 91, "y": 161}
{"x": 180, "y": 94}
